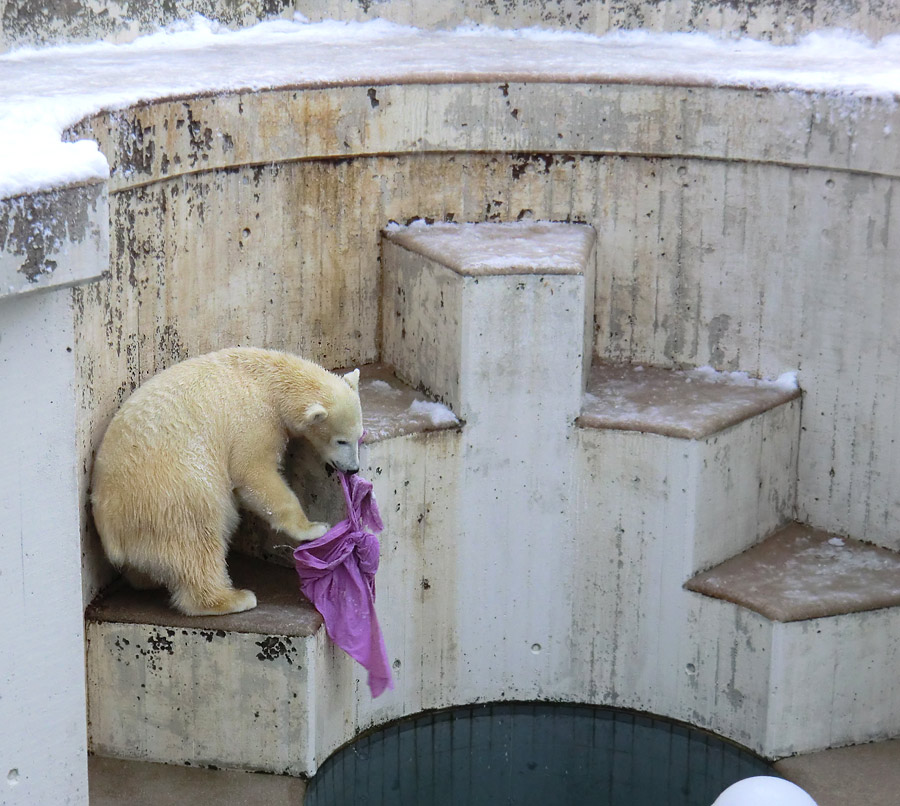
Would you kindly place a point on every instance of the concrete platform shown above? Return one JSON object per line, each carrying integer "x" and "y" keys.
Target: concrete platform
{"x": 281, "y": 607}
{"x": 686, "y": 404}
{"x": 804, "y": 573}
{"x": 113, "y": 781}
{"x": 865, "y": 775}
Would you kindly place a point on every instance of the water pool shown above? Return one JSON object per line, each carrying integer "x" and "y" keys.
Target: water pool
{"x": 545, "y": 754}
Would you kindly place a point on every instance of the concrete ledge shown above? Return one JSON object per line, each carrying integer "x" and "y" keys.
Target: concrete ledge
{"x": 53, "y": 239}
{"x": 417, "y": 113}
{"x": 804, "y": 573}
{"x": 688, "y": 404}
{"x": 281, "y": 609}
{"x": 160, "y": 110}
{"x": 865, "y": 774}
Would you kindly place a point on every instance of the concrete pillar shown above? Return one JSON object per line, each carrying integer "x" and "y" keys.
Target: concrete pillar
{"x": 47, "y": 243}
{"x": 494, "y": 320}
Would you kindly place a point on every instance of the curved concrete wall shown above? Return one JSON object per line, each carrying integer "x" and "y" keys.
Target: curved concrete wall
{"x": 747, "y": 229}
{"x": 722, "y": 241}
{"x": 25, "y": 23}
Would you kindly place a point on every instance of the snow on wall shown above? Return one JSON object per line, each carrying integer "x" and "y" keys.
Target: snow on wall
{"x": 46, "y": 91}
{"x": 25, "y": 23}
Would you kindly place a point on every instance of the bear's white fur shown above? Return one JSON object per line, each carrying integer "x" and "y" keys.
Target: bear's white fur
{"x": 197, "y": 438}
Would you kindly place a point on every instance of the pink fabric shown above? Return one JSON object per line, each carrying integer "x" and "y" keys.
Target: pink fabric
{"x": 337, "y": 574}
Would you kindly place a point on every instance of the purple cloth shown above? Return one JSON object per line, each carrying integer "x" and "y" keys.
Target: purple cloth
{"x": 337, "y": 574}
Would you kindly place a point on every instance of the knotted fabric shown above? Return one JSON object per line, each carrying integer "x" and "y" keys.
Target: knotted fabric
{"x": 337, "y": 574}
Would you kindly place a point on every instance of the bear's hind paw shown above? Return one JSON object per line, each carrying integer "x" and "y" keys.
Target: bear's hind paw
{"x": 231, "y": 601}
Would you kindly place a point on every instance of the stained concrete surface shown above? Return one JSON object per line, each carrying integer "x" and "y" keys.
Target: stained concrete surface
{"x": 686, "y": 404}
{"x": 282, "y": 609}
{"x": 864, "y": 775}
{"x": 137, "y": 783}
{"x": 803, "y": 573}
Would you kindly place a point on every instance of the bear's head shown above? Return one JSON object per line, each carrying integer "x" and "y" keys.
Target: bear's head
{"x": 334, "y": 426}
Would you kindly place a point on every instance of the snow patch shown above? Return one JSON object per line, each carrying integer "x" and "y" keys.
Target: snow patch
{"x": 437, "y": 413}
{"x": 786, "y": 382}
{"x": 383, "y": 386}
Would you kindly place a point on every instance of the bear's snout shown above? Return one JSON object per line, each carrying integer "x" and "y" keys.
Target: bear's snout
{"x": 345, "y": 467}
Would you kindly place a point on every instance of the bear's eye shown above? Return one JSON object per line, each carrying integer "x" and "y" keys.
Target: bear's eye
{"x": 342, "y": 442}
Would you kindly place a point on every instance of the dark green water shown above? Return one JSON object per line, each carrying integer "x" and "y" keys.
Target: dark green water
{"x": 543, "y": 754}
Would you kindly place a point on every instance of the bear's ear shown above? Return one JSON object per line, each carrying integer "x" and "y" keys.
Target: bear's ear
{"x": 352, "y": 379}
{"x": 314, "y": 414}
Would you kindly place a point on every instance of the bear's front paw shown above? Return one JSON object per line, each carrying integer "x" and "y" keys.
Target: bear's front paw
{"x": 313, "y": 532}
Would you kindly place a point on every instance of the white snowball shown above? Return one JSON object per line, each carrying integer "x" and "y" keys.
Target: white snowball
{"x": 764, "y": 790}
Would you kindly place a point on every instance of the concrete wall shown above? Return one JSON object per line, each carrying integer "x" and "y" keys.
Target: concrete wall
{"x": 42, "y": 698}
{"x": 26, "y": 23}
{"x": 719, "y": 243}
{"x": 48, "y": 242}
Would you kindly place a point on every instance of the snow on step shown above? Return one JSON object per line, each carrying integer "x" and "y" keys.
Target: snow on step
{"x": 803, "y": 573}
{"x": 690, "y": 404}
{"x": 393, "y": 409}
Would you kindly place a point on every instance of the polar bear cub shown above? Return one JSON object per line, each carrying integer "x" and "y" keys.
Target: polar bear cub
{"x": 197, "y": 439}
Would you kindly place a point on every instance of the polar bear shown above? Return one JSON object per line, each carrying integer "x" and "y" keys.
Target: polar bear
{"x": 197, "y": 439}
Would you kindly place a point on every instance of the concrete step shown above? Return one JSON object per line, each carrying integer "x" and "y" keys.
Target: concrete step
{"x": 678, "y": 470}
{"x": 680, "y": 452}
{"x": 831, "y": 610}
{"x": 803, "y": 573}
{"x": 232, "y": 691}
{"x": 115, "y": 782}
{"x": 241, "y": 691}
{"x": 690, "y": 471}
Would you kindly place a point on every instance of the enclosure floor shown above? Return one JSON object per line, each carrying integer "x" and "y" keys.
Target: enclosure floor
{"x": 138, "y": 783}
{"x": 865, "y": 775}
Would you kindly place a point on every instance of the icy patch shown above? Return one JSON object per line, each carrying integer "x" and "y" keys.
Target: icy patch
{"x": 437, "y": 413}
{"x": 45, "y": 91}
